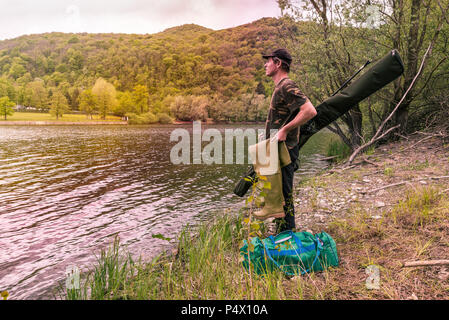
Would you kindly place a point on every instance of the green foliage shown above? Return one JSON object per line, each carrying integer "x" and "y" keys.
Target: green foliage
{"x": 58, "y": 104}
{"x": 125, "y": 104}
{"x": 140, "y": 98}
{"x": 164, "y": 118}
{"x": 144, "y": 118}
{"x": 6, "y": 107}
{"x": 418, "y": 208}
{"x": 73, "y": 39}
{"x": 7, "y": 88}
{"x": 226, "y": 66}
{"x": 189, "y": 108}
{"x": 388, "y": 171}
{"x": 339, "y": 149}
{"x": 38, "y": 95}
{"x": 105, "y": 96}
{"x": 88, "y": 102}
{"x": 347, "y": 34}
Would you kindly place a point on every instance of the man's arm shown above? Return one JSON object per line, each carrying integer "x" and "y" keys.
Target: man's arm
{"x": 306, "y": 112}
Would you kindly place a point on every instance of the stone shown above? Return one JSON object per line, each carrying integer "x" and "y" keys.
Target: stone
{"x": 379, "y": 204}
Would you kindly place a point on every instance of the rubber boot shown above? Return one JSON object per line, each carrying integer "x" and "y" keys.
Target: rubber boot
{"x": 273, "y": 201}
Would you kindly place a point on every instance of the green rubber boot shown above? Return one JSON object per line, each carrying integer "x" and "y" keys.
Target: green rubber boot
{"x": 274, "y": 199}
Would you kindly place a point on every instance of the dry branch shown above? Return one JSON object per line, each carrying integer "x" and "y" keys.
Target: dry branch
{"x": 403, "y": 182}
{"x": 425, "y": 263}
{"x": 328, "y": 158}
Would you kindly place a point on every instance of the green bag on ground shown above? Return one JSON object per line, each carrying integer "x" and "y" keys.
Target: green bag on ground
{"x": 291, "y": 252}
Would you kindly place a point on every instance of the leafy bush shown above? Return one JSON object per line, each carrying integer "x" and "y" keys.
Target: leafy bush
{"x": 164, "y": 118}
{"x": 144, "y": 118}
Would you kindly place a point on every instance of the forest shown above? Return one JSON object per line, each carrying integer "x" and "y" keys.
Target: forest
{"x": 186, "y": 73}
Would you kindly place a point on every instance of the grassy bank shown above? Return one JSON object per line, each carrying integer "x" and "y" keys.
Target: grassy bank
{"x": 207, "y": 264}
{"x": 36, "y": 116}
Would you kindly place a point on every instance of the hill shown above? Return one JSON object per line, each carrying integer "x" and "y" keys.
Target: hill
{"x": 179, "y": 61}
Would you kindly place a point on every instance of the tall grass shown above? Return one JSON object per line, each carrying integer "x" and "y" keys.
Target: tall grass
{"x": 338, "y": 148}
{"x": 207, "y": 265}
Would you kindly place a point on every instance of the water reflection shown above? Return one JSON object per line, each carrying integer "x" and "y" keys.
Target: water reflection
{"x": 67, "y": 191}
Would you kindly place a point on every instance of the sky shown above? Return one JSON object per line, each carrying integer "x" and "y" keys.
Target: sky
{"x": 20, "y": 17}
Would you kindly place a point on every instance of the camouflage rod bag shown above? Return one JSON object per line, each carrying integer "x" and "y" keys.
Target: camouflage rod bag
{"x": 293, "y": 253}
{"x": 379, "y": 75}
{"x": 383, "y": 72}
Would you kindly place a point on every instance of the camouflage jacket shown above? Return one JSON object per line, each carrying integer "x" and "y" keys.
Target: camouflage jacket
{"x": 285, "y": 104}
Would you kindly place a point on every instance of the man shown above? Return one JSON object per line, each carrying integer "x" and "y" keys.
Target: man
{"x": 289, "y": 109}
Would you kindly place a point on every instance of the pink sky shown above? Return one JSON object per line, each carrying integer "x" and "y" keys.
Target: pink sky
{"x": 19, "y": 17}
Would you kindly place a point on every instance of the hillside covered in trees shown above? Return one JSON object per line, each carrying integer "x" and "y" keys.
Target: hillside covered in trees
{"x": 187, "y": 72}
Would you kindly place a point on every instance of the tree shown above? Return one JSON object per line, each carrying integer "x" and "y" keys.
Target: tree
{"x": 105, "y": 96}
{"x": 58, "y": 104}
{"x": 326, "y": 55}
{"x": 23, "y": 95}
{"x": 140, "y": 96}
{"x": 7, "y": 88}
{"x": 39, "y": 95}
{"x": 74, "y": 94}
{"x": 17, "y": 70}
{"x": 189, "y": 108}
{"x": 412, "y": 26}
{"x": 260, "y": 89}
{"x": 88, "y": 103}
{"x": 6, "y": 107}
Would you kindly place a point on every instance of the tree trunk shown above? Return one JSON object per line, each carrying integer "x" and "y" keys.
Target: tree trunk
{"x": 356, "y": 133}
{"x": 401, "y": 116}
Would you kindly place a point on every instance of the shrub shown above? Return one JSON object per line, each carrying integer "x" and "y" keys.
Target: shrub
{"x": 338, "y": 148}
{"x": 164, "y": 118}
{"x": 144, "y": 118}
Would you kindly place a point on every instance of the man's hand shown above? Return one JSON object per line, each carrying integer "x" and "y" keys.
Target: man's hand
{"x": 281, "y": 134}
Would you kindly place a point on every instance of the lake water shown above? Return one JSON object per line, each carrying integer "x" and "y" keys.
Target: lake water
{"x": 67, "y": 191}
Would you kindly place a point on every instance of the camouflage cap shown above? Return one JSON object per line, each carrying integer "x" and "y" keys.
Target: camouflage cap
{"x": 281, "y": 54}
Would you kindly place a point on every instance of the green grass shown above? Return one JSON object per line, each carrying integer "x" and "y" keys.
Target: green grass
{"x": 388, "y": 171}
{"x": 206, "y": 266}
{"x": 35, "y": 116}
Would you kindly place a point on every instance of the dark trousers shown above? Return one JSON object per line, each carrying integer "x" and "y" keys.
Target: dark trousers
{"x": 288, "y": 223}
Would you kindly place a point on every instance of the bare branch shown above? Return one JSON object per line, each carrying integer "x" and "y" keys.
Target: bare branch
{"x": 425, "y": 263}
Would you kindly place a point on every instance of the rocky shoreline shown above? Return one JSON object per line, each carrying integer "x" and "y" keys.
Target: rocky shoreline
{"x": 376, "y": 181}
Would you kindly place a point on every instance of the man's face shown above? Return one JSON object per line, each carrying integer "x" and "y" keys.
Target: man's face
{"x": 270, "y": 67}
